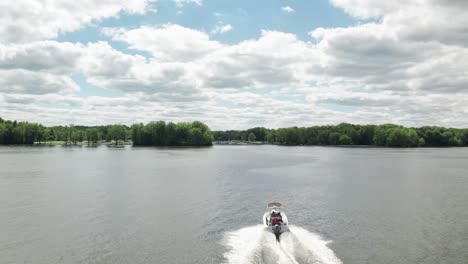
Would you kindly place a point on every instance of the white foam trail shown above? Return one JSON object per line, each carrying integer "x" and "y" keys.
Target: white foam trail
{"x": 255, "y": 245}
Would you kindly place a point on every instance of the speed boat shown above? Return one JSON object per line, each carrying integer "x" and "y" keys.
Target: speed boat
{"x": 275, "y": 219}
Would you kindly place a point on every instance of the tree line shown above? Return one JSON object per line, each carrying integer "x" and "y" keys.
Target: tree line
{"x": 388, "y": 135}
{"x": 152, "y": 134}
{"x": 171, "y": 134}
{"x": 198, "y": 134}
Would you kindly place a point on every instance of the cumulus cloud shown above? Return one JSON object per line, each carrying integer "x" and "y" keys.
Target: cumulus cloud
{"x": 40, "y": 56}
{"x": 364, "y": 55}
{"x": 222, "y": 28}
{"x": 368, "y": 8}
{"x": 134, "y": 73}
{"x": 411, "y": 49}
{"x": 275, "y": 59}
{"x": 421, "y": 20}
{"x": 100, "y": 60}
{"x": 181, "y": 3}
{"x": 29, "y": 82}
{"x": 287, "y": 9}
{"x": 187, "y": 59}
{"x": 166, "y": 42}
{"x": 27, "y": 20}
{"x": 402, "y": 66}
{"x": 52, "y": 99}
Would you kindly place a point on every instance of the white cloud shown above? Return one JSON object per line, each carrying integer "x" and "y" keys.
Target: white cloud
{"x": 26, "y": 20}
{"x": 48, "y": 56}
{"x": 101, "y": 60}
{"x": 369, "y": 8}
{"x": 222, "y": 28}
{"x": 416, "y": 48}
{"x": 28, "y": 82}
{"x": 287, "y": 9}
{"x": 167, "y": 42}
{"x": 420, "y": 20}
{"x": 275, "y": 59}
{"x": 52, "y": 99}
{"x": 194, "y": 60}
{"x": 404, "y": 66}
{"x": 181, "y": 3}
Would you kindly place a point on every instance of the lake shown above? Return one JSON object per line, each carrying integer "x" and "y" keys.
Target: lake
{"x": 205, "y": 205}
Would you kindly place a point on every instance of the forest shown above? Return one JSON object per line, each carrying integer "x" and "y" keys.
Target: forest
{"x": 197, "y": 133}
{"x": 171, "y": 134}
{"x": 152, "y": 134}
{"x": 387, "y": 135}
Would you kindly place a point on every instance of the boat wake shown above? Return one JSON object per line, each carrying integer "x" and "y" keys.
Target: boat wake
{"x": 255, "y": 244}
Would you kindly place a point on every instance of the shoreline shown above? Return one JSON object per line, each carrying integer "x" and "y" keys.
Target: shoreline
{"x": 258, "y": 143}
{"x": 216, "y": 143}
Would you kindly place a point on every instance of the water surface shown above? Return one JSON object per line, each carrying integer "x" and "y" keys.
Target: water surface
{"x": 204, "y": 205}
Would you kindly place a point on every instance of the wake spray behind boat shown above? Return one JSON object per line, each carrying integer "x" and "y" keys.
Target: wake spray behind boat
{"x": 275, "y": 219}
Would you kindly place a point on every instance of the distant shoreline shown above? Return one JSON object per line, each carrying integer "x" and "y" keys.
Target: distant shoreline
{"x": 196, "y": 133}
{"x": 344, "y": 134}
{"x": 112, "y": 145}
{"x": 259, "y": 143}
{"x": 81, "y": 143}
{"x": 240, "y": 142}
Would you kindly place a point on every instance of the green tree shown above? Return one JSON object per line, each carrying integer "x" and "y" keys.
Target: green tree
{"x": 345, "y": 140}
{"x": 52, "y": 135}
{"x": 311, "y": 136}
{"x": 92, "y": 135}
{"x": 159, "y": 133}
{"x": 3, "y": 132}
{"x": 271, "y": 137}
{"x": 334, "y": 138}
{"x": 421, "y": 142}
{"x": 46, "y": 134}
{"x": 196, "y": 136}
{"x": 366, "y": 134}
{"x": 252, "y": 137}
{"x": 137, "y": 134}
{"x": 116, "y": 133}
{"x": 260, "y": 133}
{"x": 183, "y": 134}
{"x": 171, "y": 135}
{"x": 455, "y": 140}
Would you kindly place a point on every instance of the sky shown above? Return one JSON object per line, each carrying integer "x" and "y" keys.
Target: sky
{"x": 235, "y": 64}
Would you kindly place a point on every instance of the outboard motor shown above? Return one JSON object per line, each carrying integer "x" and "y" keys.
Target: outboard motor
{"x": 277, "y": 231}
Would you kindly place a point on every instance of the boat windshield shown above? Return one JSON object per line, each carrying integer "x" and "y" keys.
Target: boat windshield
{"x": 274, "y": 205}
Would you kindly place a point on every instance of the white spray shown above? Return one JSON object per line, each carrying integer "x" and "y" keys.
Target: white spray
{"x": 255, "y": 245}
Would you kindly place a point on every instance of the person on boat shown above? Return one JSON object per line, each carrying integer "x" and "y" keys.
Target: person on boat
{"x": 276, "y": 218}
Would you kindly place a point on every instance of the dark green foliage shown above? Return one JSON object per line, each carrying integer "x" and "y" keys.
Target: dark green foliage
{"x": 252, "y": 137}
{"x": 92, "y": 135}
{"x": 402, "y": 137}
{"x": 334, "y": 138}
{"x": 198, "y": 134}
{"x": 260, "y": 133}
{"x": 12, "y": 132}
{"x": 153, "y": 134}
{"x": 230, "y": 135}
{"x": 345, "y": 140}
{"x": 387, "y": 135}
{"x": 73, "y": 134}
{"x": 116, "y": 133}
{"x": 180, "y": 134}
